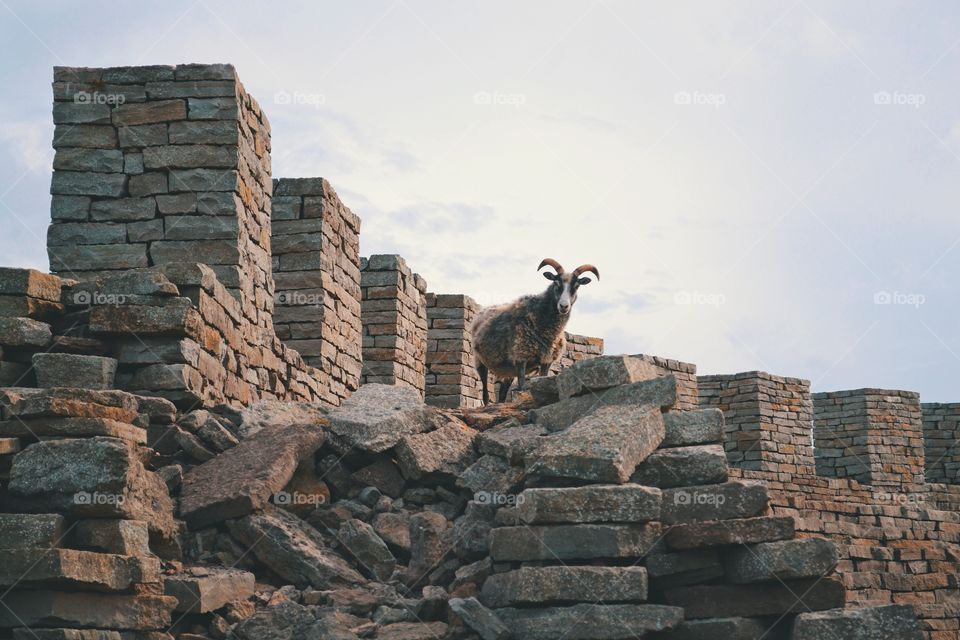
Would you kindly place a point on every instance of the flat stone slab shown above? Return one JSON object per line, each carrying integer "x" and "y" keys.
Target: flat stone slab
{"x": 361, "y": 541}
{"x": 605, "y": 446}
{"x": 668, "y": 570}
{"x": 562, "y": 585}
{"x": 590, "y": 622}
{"x": 597, "y": 374}
{"x": 783, "y": 560}
{"x": 206, "y": 589}
{"x": 24, "y": 332}
{"x": 509, "y": 440}
{"x": 73, "y": 568}
{"x": 376, "y": 417}
{"x": 683, "y": 467}
{"x": 740, "y": 531}
{"x": 66, "y": 634}
{"x": 73, "y": 428}
{"x": 70, "y": 403}
{"x": 592, "y": 503}
{"x": 91, "y": 477}
{"x": 27, "y": 530}
{"x": 242, "y": 480}
{"x": 657, "y": 393}
{"x": 477, "y": 617}
{"x": 124, "y": 537}
{"x": 724, "y": 629}
{"x": 71, "y": 370}
{"x": 447, "y": 450}
{"x": 734, "y": 499}
{"x": 102, "y": 611}
{"x": 9, "y": 446}
{"x": 489, "y": 476}
{"x": 753, "y": 600}
{"x": 684, "y": 428}
{"x": 29, "y": 282}
{"x": 412, "y": 631}
{"x": 293, "y": 550}
{"x": 872, "y": 623}
{"x": 573, "y": 542}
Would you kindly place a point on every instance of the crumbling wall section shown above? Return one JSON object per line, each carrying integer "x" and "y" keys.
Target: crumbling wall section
{"x": 394, "y": 313}
{"x": 941, "y": 441}
{"x": 316, "y": 269}
{"x": 451, "y": 374}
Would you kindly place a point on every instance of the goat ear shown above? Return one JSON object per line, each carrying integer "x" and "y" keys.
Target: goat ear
{"x": 583, "y": 281}
{"x": 549, "y": 276}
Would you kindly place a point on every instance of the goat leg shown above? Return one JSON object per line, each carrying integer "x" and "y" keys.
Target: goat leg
{"x": 482, "y": 372}
{"x": 505, "y": 389}
{"x": 521, "y": 376}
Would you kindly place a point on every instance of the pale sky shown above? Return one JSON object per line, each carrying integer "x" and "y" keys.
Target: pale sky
{"x": 749, "y": 177}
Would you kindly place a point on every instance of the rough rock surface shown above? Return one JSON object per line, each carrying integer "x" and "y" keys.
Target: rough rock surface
{"x": 376, "y": 418}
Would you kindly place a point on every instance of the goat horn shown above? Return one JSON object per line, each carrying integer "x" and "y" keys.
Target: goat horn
{"x": 584, "y": 268}
{"x": 552, "y": 263}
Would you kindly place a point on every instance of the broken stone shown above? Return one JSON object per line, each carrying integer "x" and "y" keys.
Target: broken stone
{"x": 384, "y": 475}
{"x": 597, "y": 374}
{"x": 394, "y": 529}
{"x": 9, "y": 446}
{"x": 192, "y": 446}
{"x": 593, "y": 503}
{"x": 446, "y": 450}
{"x": 740, "y": 531}
{"x": 684, "y": 428}
{"x": 604, "y": 446}
{"x": 93, "y": 477}
{"x": 559, "y": 585}
{"x": 305, "y": 491}
{"x": 590, "y": 622}
{"x": 891, "y": 621}
{"x": 293, "y": 550}
{"x": 24, "y": 332}
{"x": 656, "y": 393}
{"x": 509, "y": 440}
{"x": 66, "y": 634}
{"x": 412, "y": 631}
{"x": 683, "y": 467}
{"x": 69, "y": 370}
{"x": 734, "y": 499}
{"x": 73, "y": 428}
{"x": 370, "y": 551}
{"x": 70, "y": 403}
{"x": 573, "y": 542}
{"x": 477, "y": 617}
{"x": 287, "y": 620}
{"x": 490, "y": 478}
{"x": 784, "y": 560}
{"x": 26, "y": 530}
{"x": 29, "y": 282}
{"x": 376, "y": 417}
{"x": 429, "y": 544}
{"x": 752, "y": 600}
{"x": 123, "y": 537}
{"x": 206, "y": 589}
{"x": 471, "y": 531}
{"x": 51, "y": 608}
{"x": 244, "y": 478}
{"x": 273, "y": 414}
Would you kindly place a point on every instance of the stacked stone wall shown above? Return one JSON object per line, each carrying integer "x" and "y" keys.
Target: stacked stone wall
{"x": 316, "y": 269}
{"x": 451, "y": 373}
{"x": 394, "y": 313}
{"x": 941, "y": 439}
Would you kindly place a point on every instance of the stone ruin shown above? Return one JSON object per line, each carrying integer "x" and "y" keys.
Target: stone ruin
{"x": 218, "y": 420}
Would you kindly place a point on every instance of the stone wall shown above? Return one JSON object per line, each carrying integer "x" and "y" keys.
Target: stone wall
{"x": 941, "y": 440}
{"x": 162, "y": 164}
{"x": 874, "y": 436}
{"x": 394, "y": 313}
{"x": 898, "y": 541}
{"x": 685, "y": 374}
{"x": 451, "y": 375}
{"x": 316, "y": 269}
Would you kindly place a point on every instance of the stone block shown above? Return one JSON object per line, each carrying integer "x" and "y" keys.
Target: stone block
{"x": 783, "y": 560}
{"x": 102, "y": 611}
{"x": 597, "y": 374}
{"x": 657, "y": 393}
{"x": 69, "y": 370}
{"x": 572, "y": 542}
{"x": 727, "y": 532}
{"x": 590, "y": 621}
{"x": 684, "y": 428}
{"x": 683, "y": 467}
{"x": 28, "y": 530}
{"x": 593, "y": 503}
{"x": 752, "y": 600}
{"x": 872, "y": 623}
{"x": 727, "y": 501}
{"x": 66, "y": 568}
{"x": 206, "y": 589}
{"x": 559, "y": 585}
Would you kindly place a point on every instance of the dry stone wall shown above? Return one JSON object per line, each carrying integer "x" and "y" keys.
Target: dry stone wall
{"x": 451, "y": 374}
{"x": 316, "y": 270}
{"x": 394, "y": 312}
{"x": 941, "y": 440}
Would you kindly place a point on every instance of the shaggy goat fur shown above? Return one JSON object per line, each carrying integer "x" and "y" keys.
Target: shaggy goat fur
{"x": 511, "y": 339}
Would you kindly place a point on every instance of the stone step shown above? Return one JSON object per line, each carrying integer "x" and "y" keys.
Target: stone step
{"x": 592, "y": 503}
{"x": 683, "y": 467}
{"x": 73, "y": 568}
{"x": 737, "y": 531}
{"x": 784, "y": 560}
{"x": 752, "y": 600}
{"x": 657, "y": 393}
{"x": 590, "y": 622}
{"x": 561, "y": 585}
{"x": 97, "y": 610}
{"x": 684, "y": 428}
{"x": 892, "y": 621}
{"x": 31, "y": 530}
{"x": 573, "y": 542}
{"x": 605, "y": 446}
{"x": 206, "y": 589}
{"x": 72, "y": 428}
{"x": 734, "y": 499}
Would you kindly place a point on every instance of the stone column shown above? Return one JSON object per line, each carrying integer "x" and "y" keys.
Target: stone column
{"x": 874, "y": 436}
{"x": 451, "y": 375}
{"x": 316, "y": 267}
{"x": 394, "y": 314}
{"x": 768, "y": 420}
{"x": 162, "y": 164}
{"x": 941, "y": 441}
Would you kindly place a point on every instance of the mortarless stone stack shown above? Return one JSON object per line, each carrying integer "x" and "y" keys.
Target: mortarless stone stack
{"x": 162, "y": 164}
{"x": 451, "y": 375}
{"x": 941, "y": 435}
{"x": 394, "y": 312}
{"x": 316, "y": 267}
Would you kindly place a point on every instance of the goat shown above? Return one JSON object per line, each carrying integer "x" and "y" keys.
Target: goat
{"x": 528, "y": 332}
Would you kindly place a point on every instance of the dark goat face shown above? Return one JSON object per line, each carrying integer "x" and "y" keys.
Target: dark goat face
{"x": 564, "y": 290}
